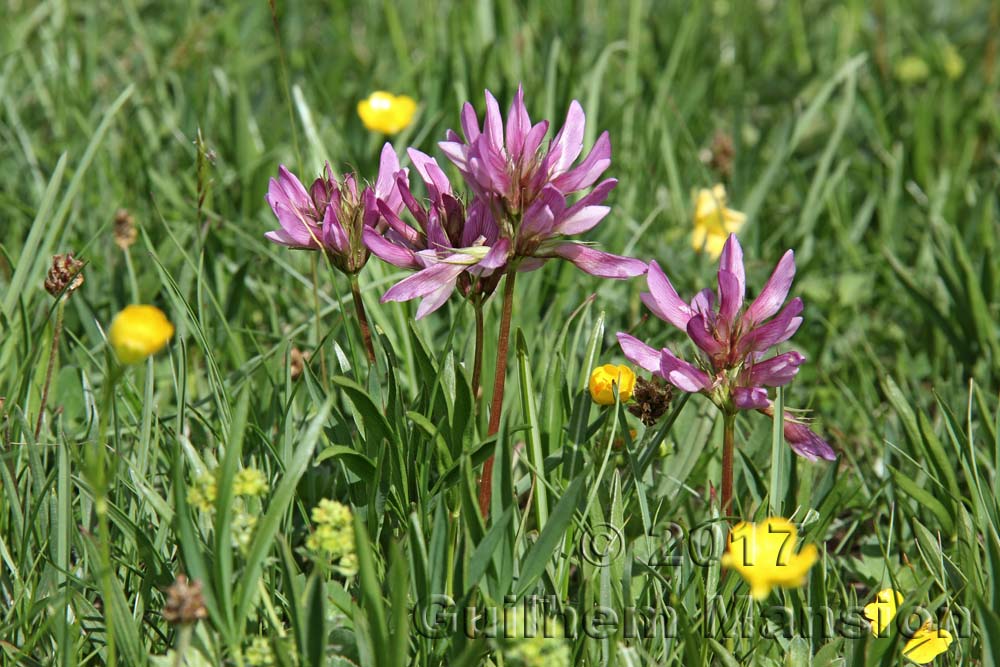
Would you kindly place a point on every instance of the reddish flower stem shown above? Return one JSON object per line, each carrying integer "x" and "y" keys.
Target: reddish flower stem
{"x": 500, "y": 378}
{"x": 728, "y": 445}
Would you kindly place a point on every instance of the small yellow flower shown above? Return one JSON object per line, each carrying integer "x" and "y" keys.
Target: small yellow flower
{"x": 883, "y": 610}
{"x": 386, "y": 113}
{"x": 605, "y": 377}
{"x": 249, "y": 482}
{"x": 713, "y": 222}
{"x": 242, "y": 529}
{"x": 764, "y": 555}
{"x": 952, "y": 61}
{"x": 138, "y": 332}
{"x": 927, "y": 643}
{"x": 203, "y": 492}
{"x": 333, "y": 535}
{"x": 912, "y": 69}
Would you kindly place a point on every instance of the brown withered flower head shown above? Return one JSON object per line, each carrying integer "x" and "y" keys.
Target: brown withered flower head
{"x": 185, "y": 604}
{"x": 719, "y": 156}
{"x": 125, "y": 232}
{"x": 297, "y": 362}
{"x": 650, "y": 400}
{"x": 65, "y": 274}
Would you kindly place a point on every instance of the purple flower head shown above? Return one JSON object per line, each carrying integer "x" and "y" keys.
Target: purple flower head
{"x": 526, "y": 188}
{"x": 733, "y": 368}
{"x": 450, "y": 245}
{"x": 331, "y": 216}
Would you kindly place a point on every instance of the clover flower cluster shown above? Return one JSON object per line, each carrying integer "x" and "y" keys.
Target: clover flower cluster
{"x": 525, "y": 201}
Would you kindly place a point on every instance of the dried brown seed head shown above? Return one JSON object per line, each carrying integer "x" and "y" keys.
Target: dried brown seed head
{"x": 125, "y": 232}
{"x": 185, "y": 604}
{"x": 297, "y": 362}
{"x": 65, "y": 274}
{"x": 650, "y": 400}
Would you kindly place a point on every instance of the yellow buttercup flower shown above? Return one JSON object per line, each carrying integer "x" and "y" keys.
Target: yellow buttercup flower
{"x": 386, "y": 113}
{"x": 139, "y": 331}
{"x": 927, "y": 643}
{"x": 713, "y": 222}
{"x": 764, "y": 555}
{"x": 881, "y": 612}
{"x": 605, "y": 377}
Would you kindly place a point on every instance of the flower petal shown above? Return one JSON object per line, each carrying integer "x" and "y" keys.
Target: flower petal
{"x": 424, "y": 282}
{"x": 778, "y": 330}
{"x": 730, "y": 300}
{"x": 639, "y": 353}
{"x": 588, "y": 171}
{"x": 281, "y": 237}
{"x": 568, "y": 144}
{"x": 430, "y": 172}
{"x": 518, "y": 125}
{"x": 731, "y": 260}
{"x": 681, "y": 374}
{"x": 493, "y": 124}
{"x": 495, "y": 258}
{"x": 776, "y": 371}
{"x": 584, "y": 214}
{"x": 699, "y": 332}
{"x": 663, "y": 300}
{"x": 750, "y": 398}
{"x": 539, "y": 220}
{"x": 598, "y": 263}
{"x": 389, "y": 252}
{"x": 435, "y": 300}
{"x": 333, "y": 233}
{"x": 386, "y": 187}
{"x": 805, "y": 443}
{"x": 775, "y": 291}
{"x": 470, "y": 123}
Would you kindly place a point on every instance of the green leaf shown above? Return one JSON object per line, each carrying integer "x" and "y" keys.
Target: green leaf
{"x": 540, "y": 553}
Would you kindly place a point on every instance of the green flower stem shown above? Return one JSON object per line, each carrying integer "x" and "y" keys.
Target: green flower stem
{"x": 728, "y": 445}
{"x": 183, "y": 642}
{"x": 500, "y": 378}
{"x": 99, "y": 481}
{"x": 53, "y": 355}
{"x": 319, "y": 326}
{"x": 359, "y": 306}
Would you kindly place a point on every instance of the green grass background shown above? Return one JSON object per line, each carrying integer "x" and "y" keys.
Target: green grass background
{"x": 885, "y": 186}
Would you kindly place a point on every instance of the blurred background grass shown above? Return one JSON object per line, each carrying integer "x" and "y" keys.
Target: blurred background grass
{"x": 862, "y": 134}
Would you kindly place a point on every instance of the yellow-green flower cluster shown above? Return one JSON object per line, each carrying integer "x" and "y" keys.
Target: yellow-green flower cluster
{"x": 333, "y": 536}
{"x": 203, "y": 492}
{"x": 259, "y": 653}
{"x": 249, "y": 482}
{"x": 528, "y": 641}
{"x": 242, "y": 530}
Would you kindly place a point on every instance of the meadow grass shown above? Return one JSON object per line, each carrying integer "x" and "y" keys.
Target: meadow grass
{"x": 864, "y": 136}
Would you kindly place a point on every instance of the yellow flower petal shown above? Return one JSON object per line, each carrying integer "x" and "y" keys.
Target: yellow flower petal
{"x": 927, "y": 643}
{"x": 881, "y": 612}
{"x": 386, "y": 113}
{"x": 603, "y": 379}
{"x": 139, "y": 331}
{"x": 764, "y": 555}
{"x": 713, "y": 222}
